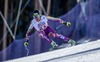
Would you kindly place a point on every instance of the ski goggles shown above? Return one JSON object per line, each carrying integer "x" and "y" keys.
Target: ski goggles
{"x": 36, "y": 15}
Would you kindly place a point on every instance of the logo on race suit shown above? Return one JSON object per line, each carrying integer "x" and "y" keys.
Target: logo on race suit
{"x": 62, "y": 37}
{"x": 41, "y": 24}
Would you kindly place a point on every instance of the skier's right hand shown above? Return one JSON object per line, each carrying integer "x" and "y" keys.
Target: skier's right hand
{"x": 26, "y": 42}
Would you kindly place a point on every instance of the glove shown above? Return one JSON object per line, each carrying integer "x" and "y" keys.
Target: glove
{"x": 26, "y": 42}
{"x": 66, "y": 23}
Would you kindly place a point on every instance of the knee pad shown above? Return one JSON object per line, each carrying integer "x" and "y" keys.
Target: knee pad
{"x": 52, "y": 34}
{"x": 41, "y": 35}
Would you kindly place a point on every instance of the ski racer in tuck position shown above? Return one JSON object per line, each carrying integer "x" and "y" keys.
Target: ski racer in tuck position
{"x": 40, "y": 23}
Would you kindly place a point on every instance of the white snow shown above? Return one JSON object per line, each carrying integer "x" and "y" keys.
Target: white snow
{"x": 87, "y": 52}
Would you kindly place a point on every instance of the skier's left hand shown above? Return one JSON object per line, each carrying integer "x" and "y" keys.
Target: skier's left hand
{"x": 66, "y": 23}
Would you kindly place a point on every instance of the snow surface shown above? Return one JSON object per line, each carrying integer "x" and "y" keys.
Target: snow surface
{"x": 80, "y": 53}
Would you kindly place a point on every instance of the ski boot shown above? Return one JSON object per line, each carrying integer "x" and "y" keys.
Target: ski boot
{"x": 72, "y": 42}
{"x": 54, "y": 45}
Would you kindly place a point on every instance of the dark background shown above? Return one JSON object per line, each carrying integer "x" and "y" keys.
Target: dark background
{"x": 58, "y": 8}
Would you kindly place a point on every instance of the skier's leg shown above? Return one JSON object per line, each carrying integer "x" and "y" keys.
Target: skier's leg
{"x": 44, "y": 36}
{"x": 59, "y": 36}
{"x": 49, "y": 31}
{"x": 55, "y": 35}
{"x": 70, "y": 41}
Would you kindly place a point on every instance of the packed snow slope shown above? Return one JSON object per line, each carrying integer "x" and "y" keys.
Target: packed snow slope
{"x": 87, "y": 52}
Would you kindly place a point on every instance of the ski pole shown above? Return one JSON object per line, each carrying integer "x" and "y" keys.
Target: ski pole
{"x": 27, "y": 50}
{"x": 59, "y": 26}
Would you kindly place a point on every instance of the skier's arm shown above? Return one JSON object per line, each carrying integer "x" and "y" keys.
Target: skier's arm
{"x": 58, "y": 20}
{"x": 28, "y": 33}
{"x": 55, "y": 19}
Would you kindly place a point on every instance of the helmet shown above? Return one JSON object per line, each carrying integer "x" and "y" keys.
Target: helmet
{"x": 36, "y": 14}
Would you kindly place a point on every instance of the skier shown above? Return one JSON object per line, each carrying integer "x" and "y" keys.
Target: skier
{"x": 39, "y": 22}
